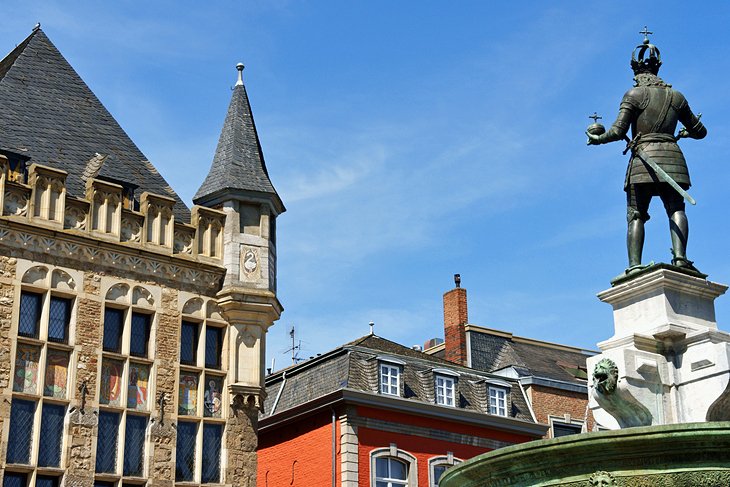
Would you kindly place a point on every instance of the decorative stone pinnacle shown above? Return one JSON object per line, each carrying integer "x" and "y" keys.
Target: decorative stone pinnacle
{"x": 646, "y": 33}
{"x": 595, "y": 117}
{"x": 240, "y": 67}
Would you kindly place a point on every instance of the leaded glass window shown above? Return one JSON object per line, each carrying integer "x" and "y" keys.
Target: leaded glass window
{"x": 21, "y": 431}
{"x": 185, "y": 458}
{"x": 106, "y": 442}
{"x": 30, "y": 314}
{"x": 15, "y": 479}
{"x": 212, "y": 434}
{"x": 134, "y": 445}
{"x": 49, "y": 451}
{"x": 59, "y": 316}
{"x": 113, "y": 326}
{"x": 46, "y": 481}
{"x": 188, "y": 343}
{"x": 213, "y": 347}
{"x": 140, "y": 335}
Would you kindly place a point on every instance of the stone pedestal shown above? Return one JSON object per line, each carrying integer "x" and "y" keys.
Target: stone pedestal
{"x": 667, "y": 362}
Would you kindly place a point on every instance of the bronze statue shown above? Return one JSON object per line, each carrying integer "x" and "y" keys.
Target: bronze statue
{"x": 657, "y": 166}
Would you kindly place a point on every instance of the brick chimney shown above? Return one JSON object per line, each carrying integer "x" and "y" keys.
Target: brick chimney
{"x": 455, "y": 319}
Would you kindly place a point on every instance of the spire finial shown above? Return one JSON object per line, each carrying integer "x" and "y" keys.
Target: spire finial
{"x": 36, "y": 26}
{"x": 240, "y": 67}
{"x": 646, "y": 34}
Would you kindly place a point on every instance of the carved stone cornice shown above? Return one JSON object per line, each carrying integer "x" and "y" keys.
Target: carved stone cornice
{"x": 84, "y": 252}
{"x": 250, "y": 306}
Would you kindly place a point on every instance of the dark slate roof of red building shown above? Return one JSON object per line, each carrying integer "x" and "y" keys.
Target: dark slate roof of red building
{"x": 354, "y": 366}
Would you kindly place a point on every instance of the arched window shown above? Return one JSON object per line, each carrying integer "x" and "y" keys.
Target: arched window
{"x": 437, "y": 466}
{"x": 391, "y": 467}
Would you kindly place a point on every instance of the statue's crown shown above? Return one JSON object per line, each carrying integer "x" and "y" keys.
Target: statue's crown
{"x": 646, "y": 56}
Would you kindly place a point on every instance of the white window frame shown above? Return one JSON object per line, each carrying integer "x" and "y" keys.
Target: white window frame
{"x": 494, "y": 392}
{"x": 448, "y": 461}
{"x": 394, "y": 453}
{"x": 563, "y": 421}
{"x": 446, "y": 391}
{"x": 386, "y": 372}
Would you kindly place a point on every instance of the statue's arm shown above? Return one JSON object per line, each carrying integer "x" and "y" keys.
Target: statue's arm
{"x": 693, "y": 127}
{"x": 630, "y": 104}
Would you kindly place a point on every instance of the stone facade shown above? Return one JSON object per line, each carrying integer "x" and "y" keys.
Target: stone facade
{"x": 131, "y": 344}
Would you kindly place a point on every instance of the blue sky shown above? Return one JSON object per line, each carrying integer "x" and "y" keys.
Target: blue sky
{"x": 414, "y": 140}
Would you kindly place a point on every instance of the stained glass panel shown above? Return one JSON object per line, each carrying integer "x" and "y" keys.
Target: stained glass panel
{"x": 26, "y": 368}
{"x": 211, "y": 453}
{"x": 59, "y": 316}
{"x": 56, "y": 380}
{"x": 49, "y": 451}
{"x": 185, "y": 457}
{"x": 111, "y": 383}
{"x": 30, "y": 314}
{"x": 106, "y": 442}
{"x": 21, "y": 431}
{"x": 188, "y": 395}
{"x": 212, "y": 396}
{"x": 134, "y": 445}
{"x": 137, "y": 389}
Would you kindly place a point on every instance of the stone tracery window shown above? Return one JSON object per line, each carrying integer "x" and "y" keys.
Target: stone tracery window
{"x": 200, "y": 402}
{"x": 125, "y": 385}
{"x": 40, "y": 379}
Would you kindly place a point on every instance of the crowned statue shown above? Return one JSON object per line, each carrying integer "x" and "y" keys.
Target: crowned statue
{"x": 652, "y": 109}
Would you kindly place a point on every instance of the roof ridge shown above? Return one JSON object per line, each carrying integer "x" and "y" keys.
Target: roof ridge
{"x": 7, "y": 62}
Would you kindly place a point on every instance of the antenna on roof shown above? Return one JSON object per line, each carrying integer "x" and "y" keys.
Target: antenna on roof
{"x": 372, "y": 326}
{"x": 294, "y": 348}
{"x": 240, "y": 67}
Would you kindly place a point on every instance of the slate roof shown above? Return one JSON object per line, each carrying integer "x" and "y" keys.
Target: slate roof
{"x": 354, "y": 366}
{"x": 491, "y": 352}
{"x": 48, "y": 113}
{"x": 238, "y": 164}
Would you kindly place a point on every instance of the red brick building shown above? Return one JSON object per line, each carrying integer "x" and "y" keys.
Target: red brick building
{"x": 552, "y": 376}
{"x": 375, "y": 413}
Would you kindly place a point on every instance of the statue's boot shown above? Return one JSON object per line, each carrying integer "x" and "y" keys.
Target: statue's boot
{"x": 635, "y": 245}
{"x": 679, "y": 230}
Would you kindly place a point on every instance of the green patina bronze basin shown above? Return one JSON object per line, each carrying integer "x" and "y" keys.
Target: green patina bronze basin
{"x": 691, "y": 454}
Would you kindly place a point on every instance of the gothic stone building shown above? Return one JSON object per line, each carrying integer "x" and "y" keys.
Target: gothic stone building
{"x": 132, "y": 328}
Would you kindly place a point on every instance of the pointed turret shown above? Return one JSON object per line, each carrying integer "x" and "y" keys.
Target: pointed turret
{"x": 238, "y": 170}
{"x": 239, "y": 184}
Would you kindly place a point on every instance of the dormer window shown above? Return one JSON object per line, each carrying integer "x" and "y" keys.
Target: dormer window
{"x": 497, "y": 401}
{"x": 390, "y": 378}
{"x": 445, "y": 387}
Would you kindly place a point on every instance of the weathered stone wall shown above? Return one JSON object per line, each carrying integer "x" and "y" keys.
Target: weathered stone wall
{"x": 7, "y": 274}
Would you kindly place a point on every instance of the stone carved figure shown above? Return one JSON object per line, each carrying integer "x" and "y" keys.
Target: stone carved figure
{"x": 601, "y": 479}
{"x": 652, "y": 109}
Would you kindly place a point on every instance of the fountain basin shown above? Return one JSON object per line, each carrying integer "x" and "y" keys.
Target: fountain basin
{"x": 686, "y": 454}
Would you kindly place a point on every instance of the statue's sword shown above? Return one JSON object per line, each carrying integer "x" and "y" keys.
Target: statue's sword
{"x": 632, "y": 146}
